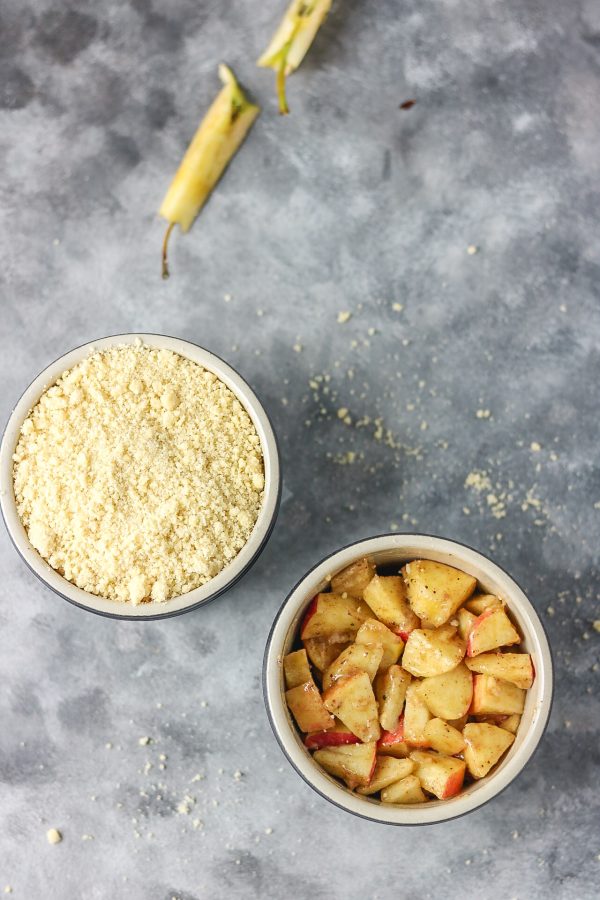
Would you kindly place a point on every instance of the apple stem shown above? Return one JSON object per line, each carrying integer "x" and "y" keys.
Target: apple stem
{"x": 165, "y": 245}
{"x": 283, "y": 107}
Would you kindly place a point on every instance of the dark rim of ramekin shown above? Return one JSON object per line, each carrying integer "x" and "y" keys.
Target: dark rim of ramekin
{"x": 168, "y": 614}
{"x": 391, "y": 535}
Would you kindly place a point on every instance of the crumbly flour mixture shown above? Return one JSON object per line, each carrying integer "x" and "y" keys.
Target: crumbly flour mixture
{"x": 138, "y": 475}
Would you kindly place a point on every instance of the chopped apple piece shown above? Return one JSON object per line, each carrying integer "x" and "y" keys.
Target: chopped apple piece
{"x": 416, "y": 717}
{"x": 307, "y": 707}
{"x": 466, "y": 621}
{"x": 427, "y": 654}
{"x": 485, "y": 746}
{"x": 354, "y": 578}
{"x": 491, "y": 696}
{"x": 322, "y": 652}
{"x": 390, "y": 690}
{"x": 442, "y": 737}
{"x": 439, "y": 774}
{"x": 296, "y": 669}
{"x": 435, "y": 591}
{"x": 491, "y": 629}
{"x": 478, "y": 604}
{"x": 514, "y": 667}
{"x": 334, "y": 616}
{"x": 387, "y": 771}
{"x": 386, "y": 595}
{"x": 354, "y": 763}
{"x": 355, "y": 658}
{"x": 352, "y": 700}
{"x": 407, "y": 790}
{"x": 448, "y": 696}
{"x": 334, "y": 737}
{"x": 392, "y": 743}
{"x": 374, "y": 632}
{"x": 511, "y": 723}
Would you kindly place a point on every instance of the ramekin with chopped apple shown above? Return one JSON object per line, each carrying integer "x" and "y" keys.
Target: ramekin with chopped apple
{"x": 408, "y": 679}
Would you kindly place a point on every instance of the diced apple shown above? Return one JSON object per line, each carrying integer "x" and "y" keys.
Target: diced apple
{"x": 514, "y": 667}
{"x": 407, "y": 790}
{"x": 485, "y": 746}
{"x": 392, "y": 743}
{"x": 352, "y": 700}
{"x": 354, "y": 578}
{"x": 386, "y": 595}
{"x": 354, "y": 763}
{"x": 375, "y": 632}
{"x": 448, "y": 696}
{"x": 439, "y": 774}
{"x": 335, "y": 737}
{"x": 390, "y": 690}
{"x": 511, "y": 723}
{"x": 491, "y": 696}
{"x": 442, "y": 737}
{"x": 478, "y": 604}
{"x": 435, "y": 591}
{"x": 387, "y": 771}
{"x": 355, "y": 658}
{"x": 307, "y": 707}
{"x": 331, "y": 615}
{"x": 296, "y": 669}
{"x": 416, "y": 717}
{"x": 427, "y": 654}
{"x": 466, "y": 621}
{"x": 491, "y": 629}
{"x": 322, "y": 652}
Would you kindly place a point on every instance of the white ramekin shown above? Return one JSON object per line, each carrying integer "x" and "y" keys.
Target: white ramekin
{"x": 395, "y": 549}
{"x": 232, "y": 572}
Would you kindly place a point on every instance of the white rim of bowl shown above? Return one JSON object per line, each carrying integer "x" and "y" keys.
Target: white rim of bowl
{"x": 402, "y": 548}
{"x": 232, "y": 572}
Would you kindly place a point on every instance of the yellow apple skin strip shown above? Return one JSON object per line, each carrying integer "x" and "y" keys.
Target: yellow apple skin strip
{"x": 218, "y": 137}
{"x": 292, "y": 40}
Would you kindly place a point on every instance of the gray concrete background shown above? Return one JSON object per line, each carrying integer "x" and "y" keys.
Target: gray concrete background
{"x": 348, "y": 204}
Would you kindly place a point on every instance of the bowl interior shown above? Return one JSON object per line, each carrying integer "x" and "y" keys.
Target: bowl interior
{"x": 396, "y": 550}
{"x": 234, "y": 570}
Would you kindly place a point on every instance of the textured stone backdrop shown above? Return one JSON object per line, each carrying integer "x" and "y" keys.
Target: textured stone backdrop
{"x": 470, "y": 379}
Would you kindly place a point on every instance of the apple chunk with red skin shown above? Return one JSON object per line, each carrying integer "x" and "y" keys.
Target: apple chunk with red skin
{"x": 428, "y": 653}
{"x": 337, "y": 736}
{"x": 449, "y": 695}
{"x": 441, "y": 775}
{"x": 331, "y": 615}
{"x": 490, "y": 630}
{"x": 485, "y": 744}
{"x": 387, "y": 771}
{"x": 435, "y": 591}
{"x": 386, "y": 595}
{"x": 514, "y": 667}
{"x": 407, "y": 790}
{"x": 352, "y": 700}
{"x": 375, "y": 632}
{"x": 392, "y": 743}
{"x": 307, "y": 708}
{"x": 354, "y": 578}
{"x": 354, "y": 763}
{"x": 355, "y": 658}
{"x": 494, "y": 697}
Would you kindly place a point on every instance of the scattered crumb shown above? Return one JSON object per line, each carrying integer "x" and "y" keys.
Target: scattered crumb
{"x": 472, "y": 249}
{"x": 204, "y": 703}
{"x": 370, "y": 332}
{"x": 596, "y": 624}
{"x": 343, "y": 317}
{"x": 237, "y": 775}
{"x": 8, "y": 889}
{"x": 198, "y": 777}
{"x": 53, "y": 836}
{"x": 397, "y": 307}
{"x": 479, "y": 481}
{"x": 268, "y": 831}
{"x": 535, "y": 447}
{"x": 483, "y": 413}
{"x": 185, "y": 807}
{"x": 227, "y": 298}
{"x": 297, "y": 348}
{"x": 197, "y": 823}
{"x": 87, "y": 837}
{"x": 108, "y": 745}
{"x": 342, "y": 412}
{"x": 144, "y": 741}
{"x": 550, "y": 611}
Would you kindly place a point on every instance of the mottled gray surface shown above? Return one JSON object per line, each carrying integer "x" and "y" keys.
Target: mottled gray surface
{"x": 349, "y": 204}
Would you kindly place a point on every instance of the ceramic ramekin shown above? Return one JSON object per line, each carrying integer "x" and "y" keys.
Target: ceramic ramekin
{"x": 232, "y": 572}
{"x": 397, "y": 549}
